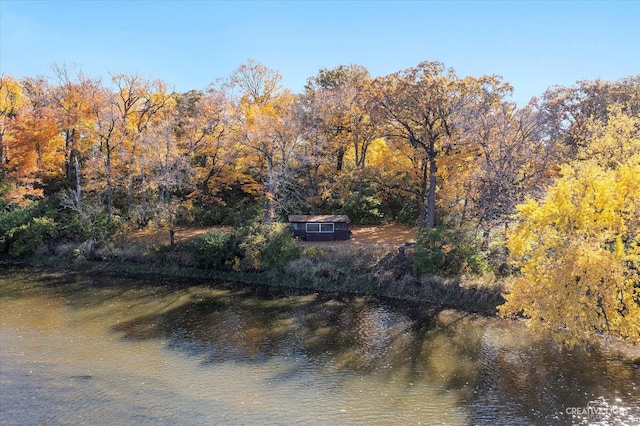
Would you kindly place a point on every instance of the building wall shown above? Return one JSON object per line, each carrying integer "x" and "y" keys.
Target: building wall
{"x": 340, "y": 232}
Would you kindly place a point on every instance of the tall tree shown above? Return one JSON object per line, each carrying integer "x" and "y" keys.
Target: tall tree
{"x": 171, "y": 173}
{"x": 338, "y": 96}
{"x": 11, "y": 97}
{"x": 499, "y": 157}
{"x": 124, "y": 115}
{"x": 418, "y": 105}
{"x": 264, "y": 128}
{"x": 74, "y": 100}
{"x": 256, "y": 83}
{"x": 202, "y": 127}
{"x": 36, "y": 156}
{"x": 567, "y": 110}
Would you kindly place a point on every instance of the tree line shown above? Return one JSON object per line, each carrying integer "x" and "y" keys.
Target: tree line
{"x": 422, "y": 145}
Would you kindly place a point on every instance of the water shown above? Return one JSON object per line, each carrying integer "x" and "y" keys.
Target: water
{"x": 77, "y": 349}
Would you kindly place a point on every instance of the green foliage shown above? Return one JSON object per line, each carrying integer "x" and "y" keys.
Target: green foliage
{"x": 232, "y": 213}
{"x": 448, "y": 252}
{"x": 9, "y": 222}
{"x": 254, "y": 248}
{"x": 400, "y": 208}
{"x": 18, "y": 224}
{"x": 26, "y": 238}
{"x": 216, "y": 249}
{"x": 100, "y": 227}
{"x": 269, "y": 247}
{"x": 363, "y": 209}
{"x": 430, "y": 257}
{"x": 24, "y": 229}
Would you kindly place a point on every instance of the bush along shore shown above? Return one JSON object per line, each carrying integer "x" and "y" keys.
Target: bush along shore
{"x": 268, "y": 255}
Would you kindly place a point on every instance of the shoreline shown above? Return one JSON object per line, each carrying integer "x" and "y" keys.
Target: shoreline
{"x": 615, "y": 349}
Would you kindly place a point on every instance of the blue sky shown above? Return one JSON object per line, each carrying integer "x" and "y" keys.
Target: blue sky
{"x": 189, "y": 44}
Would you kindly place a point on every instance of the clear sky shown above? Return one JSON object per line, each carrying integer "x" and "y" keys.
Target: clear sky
{"x": 189, "y": 44}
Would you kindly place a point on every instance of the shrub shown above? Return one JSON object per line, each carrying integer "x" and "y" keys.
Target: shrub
{"x": 26, "y": 238}
{"x": 233, "y": 214}
{"x": 429, "y": 258}
{"x": 363, "y": 209}
{"x": 215, "y": 249}
{"x": 447, "y": 252}
{"x": 24, "y": 229}
{"x": 269, "y": 246}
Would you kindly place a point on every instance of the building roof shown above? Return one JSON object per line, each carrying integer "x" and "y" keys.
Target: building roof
{"x": 331, "y": 218}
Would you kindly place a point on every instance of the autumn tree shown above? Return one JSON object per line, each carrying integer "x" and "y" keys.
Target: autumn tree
{"x": 265, "y": 129}
{"x": 338, "y": 97}
{"x": 35, "y": 158}
{"x": 203, "y": 127}
{"x": 142, "y": 105}
{"x": 341, "y": 127}
{"x": 418, "y": 105}
{"x": 125, "y": 113}
{"x": 578, "y": 248}
{"x": 254, "y": 83}
{"x": 11, "y": 97}
{"x": 498, "y": 158}
{"x": 311, "y": 154}
{"x": 74, "y": 100}
{"x": 565, "y": 111}
{"x": 170, "y": 176}
{"x": 272, "y": 134}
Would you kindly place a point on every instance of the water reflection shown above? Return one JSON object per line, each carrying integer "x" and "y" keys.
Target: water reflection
{"x": 284, "y": 358}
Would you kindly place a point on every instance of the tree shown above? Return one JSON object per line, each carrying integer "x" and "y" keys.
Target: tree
{"x": 74, "y": 101}
{"x": 272, "y": 135}
{"x": 566, "y": 111}
{"x": 266, "y": 129}
{"x": 418, "y": 105}
{"x": 202, "y": 126}
{"x": 338, "y": 98}
{"x": 578, "y": 248}
{"x": 339, "y": 130}
{"x": 614, "y": 140}
{"x": 35, "y": 158}
{"x": 11, "y": 96}
{"x": 498, "y": 158}
{"x": 170, "y": 174}
{"x": 257, "y": 83}
{"x": 123, "y": 116}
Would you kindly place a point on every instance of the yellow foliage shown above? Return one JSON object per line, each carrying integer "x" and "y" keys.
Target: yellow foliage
{"x": 615, "y": 141}
{"x": 10, "y": 95}
{"x": 578, "y": 250}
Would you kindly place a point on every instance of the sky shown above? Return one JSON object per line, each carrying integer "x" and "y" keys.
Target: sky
{"x": 533, "y": 45}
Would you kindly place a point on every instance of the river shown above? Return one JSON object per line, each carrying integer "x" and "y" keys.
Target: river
{"x": 104, "y": 350}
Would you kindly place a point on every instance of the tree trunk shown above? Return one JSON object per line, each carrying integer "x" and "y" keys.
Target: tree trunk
{"x": 78, "y": 186}
{"x": 144, "y": 197}
{"x": 486, "y": 232}
{"x": 339, "y": 159}
{"x": 107, "y": 166}
{"x": 422, "y": 198}
{"x": 2, "y": 162}
{"x": 422, "y": 211}
{"x": 70, "y": 153}
{"x": 269, "y": 207}
{"x": 312, "y": 174}
{"x": 431, "y": 199}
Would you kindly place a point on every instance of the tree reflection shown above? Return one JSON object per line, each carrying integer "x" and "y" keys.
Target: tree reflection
{"x": 494, "y": 368}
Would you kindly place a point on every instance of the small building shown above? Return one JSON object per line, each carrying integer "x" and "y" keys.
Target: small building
{"x": 320, "y": 227}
